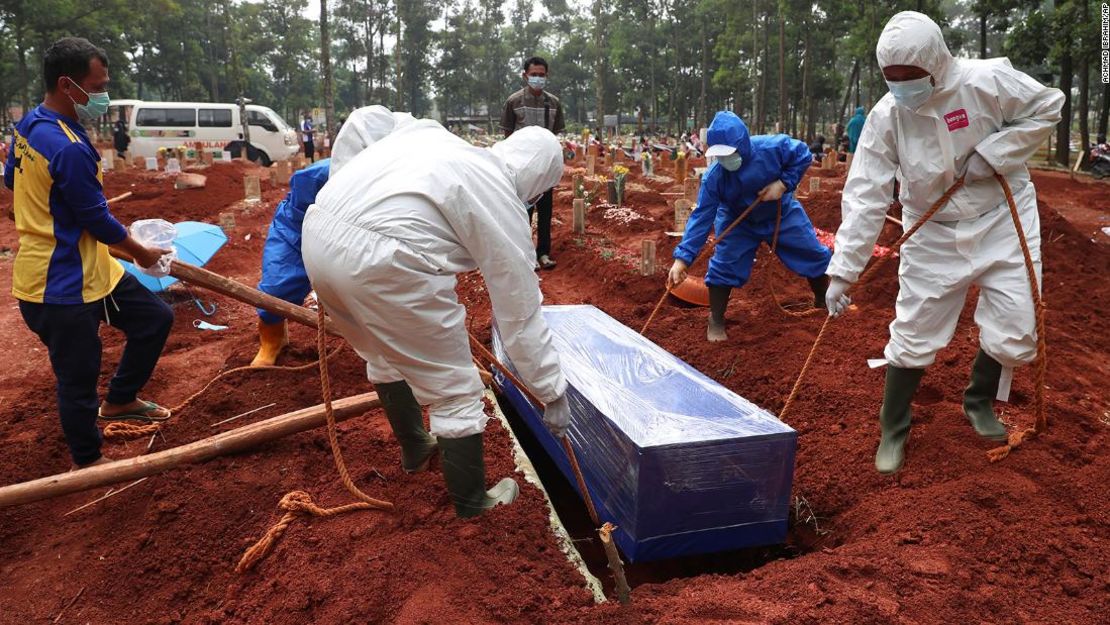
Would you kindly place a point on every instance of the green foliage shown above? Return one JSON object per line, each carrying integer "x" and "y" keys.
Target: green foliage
{"x": 671, "y": 62}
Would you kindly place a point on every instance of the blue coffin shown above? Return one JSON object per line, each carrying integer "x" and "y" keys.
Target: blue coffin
{"x": 680, "y": 464}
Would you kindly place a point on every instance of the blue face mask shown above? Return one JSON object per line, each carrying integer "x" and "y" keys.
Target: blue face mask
{"x": 96, "y": 106}
{"x": 911, "y": 94}
{"x": 537, "y": 82}
{"x": 730, "y": 162}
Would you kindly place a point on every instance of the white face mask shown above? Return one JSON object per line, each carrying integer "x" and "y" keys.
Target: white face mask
{"x": 537, "y": 82}
{"x": 911, "y": 94}
{"x": 730, "y": 162}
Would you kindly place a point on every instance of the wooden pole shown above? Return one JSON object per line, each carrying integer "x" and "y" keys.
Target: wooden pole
{"x": 682, "y": 210}
{"x": 814, "y": 185}
{"x": 225, "y": 286}
{"x": 579, "y": 220}
{"x": 205, "y": 449}
{"x": 647, "y": 257}
{"x": 605, "y": 532}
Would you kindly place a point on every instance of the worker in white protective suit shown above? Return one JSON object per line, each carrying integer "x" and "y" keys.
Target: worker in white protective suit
{"x": 283, "y": 272}
{"x": 382, "y": 246}
{"x": 945, "y": 118}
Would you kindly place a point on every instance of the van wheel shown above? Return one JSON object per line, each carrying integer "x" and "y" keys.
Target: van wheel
{"x": 263, "y": 159}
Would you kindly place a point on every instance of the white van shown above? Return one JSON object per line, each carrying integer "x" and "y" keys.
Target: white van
{"x": 213, "y": 126}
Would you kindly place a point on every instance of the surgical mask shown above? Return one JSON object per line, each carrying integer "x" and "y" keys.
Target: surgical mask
{"x": 96, "y": 106}
{"x": 730, "y": 162}
{"x": 911, "y": 94}
{"x": 537, "y": 82}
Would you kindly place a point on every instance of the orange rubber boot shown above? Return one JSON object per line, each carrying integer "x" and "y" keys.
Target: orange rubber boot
{"x": 273, "y": 338}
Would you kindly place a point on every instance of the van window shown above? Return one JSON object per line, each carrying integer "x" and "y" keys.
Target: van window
{"x": 258, "y": 118}
{"x": 177, "y": 118}
{"x": 214, "y": 118}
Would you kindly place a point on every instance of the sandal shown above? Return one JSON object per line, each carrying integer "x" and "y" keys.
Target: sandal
{"x": 546, "y": 262}
{"x": 139, "y": 414}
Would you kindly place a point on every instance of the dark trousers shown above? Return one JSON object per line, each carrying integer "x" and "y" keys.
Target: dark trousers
{"x": 543, "y": 226}
{"x": 71, "y": 333}
{"x": 309, "y": 150}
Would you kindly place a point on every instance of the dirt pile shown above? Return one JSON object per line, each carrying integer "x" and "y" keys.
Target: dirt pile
{"x": 950, "y": 539}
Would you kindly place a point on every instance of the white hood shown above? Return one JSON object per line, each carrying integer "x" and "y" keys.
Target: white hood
{"x": 363, "y": 128}
{"x": 911, "y": 38}
{"x": 534, "y": 159}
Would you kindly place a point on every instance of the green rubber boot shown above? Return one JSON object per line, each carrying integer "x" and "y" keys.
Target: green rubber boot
{"x": 407, "y": 420}
{"x": 979, "y": 397}
{"x": 464, "y": 471}
{"x": 718, "y": 302}
{"x": 894, "y": 417}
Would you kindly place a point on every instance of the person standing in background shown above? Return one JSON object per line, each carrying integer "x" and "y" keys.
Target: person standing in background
{"x": 306, "y": 137}
{"x": 532, "y": 106}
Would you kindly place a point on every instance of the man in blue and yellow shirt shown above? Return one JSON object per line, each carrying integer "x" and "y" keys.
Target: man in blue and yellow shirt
{"x": 64, "y": 278}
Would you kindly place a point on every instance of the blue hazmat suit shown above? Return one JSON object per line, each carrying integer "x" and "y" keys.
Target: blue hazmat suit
{"x": 283, "y": 272}
{"x": 726, "y": 194}
{"x": 855, "y": 129}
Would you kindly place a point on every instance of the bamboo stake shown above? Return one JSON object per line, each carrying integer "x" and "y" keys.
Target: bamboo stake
{"x": 121, "y": 197}
{"x": 605, "y": 532}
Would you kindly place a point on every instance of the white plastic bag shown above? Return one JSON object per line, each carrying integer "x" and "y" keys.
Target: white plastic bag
{"x": 156, "y": 233}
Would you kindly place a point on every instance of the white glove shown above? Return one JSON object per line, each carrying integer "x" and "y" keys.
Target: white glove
{"x": 556, "y": 416}
{"x": 677, "y": 274}
{"x": 836, "y": 297}
{"x": 977, "y": 168}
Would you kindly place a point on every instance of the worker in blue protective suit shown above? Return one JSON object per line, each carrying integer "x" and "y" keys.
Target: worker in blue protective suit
{"x": 855, "y": 129}
{"x": 283, "y": 273}
{"x": 767, "y": 167}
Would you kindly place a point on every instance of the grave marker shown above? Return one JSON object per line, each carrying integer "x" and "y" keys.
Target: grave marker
{"x": 252, "y": 189}
{"x": 647, "y": 257}
{"x": 579, "y": 221}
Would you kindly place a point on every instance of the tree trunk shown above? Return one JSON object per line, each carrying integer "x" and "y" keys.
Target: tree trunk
{"x": 842, "y": 112}
{"x": 1063, "y": 129}
{"x": 762, "y": 114}
{"x": 325, "y": 61}
{"x": 805, "y": 85}
{"x": 703, "y": 114}
{"x": 24, "y": 79}
{"x": 752, "y": 67}
{"x": 369, "y": 43}
{"x": 782, "y": 121}
{"x": 400, "y": 78}
{"x": 1084, "y": 88}
{"x": 599, "y": 64}
{"x": 1104, "y": 114}
{"x": 983, "y": 34}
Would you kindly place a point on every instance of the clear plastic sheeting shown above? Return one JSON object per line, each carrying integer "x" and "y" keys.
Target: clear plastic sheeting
{"x": 680, "y": 464}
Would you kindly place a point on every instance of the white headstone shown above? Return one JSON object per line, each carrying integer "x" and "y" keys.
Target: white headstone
{"x": 225, "y": 156}
{"x": 173, "y": 166}
{"x": 151, "y": 163}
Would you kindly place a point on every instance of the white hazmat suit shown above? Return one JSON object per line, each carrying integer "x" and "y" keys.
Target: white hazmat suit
{"x": 364, "y": 127}
{"x": 976, "y": 106}
{"x": 389, "y": 232}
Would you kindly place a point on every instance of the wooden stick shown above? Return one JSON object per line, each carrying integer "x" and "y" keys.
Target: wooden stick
{"x": 229, "y": 442}
{"x": 121, "y": 197}
{"x": 111, "y": 493}
{"x": 225, "y": 286}
{"x": 893, "y": 220}
{"x": 244, "y": 414}
{"x": 605, "y": 532}
{"x": 70, "y": 604}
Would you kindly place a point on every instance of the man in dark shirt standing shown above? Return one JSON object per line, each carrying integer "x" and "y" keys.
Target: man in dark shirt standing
{"x": 307, "y": 137}
{"x": 64, "y": 278}
{"x": 532, "y": 106}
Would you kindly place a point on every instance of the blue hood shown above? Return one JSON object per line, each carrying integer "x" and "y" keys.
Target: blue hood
{"x": 729, "y": 129}
{"x": 859, "y": 111}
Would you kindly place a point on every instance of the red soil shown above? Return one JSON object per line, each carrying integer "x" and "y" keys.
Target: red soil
{"x": 952, "y": 538}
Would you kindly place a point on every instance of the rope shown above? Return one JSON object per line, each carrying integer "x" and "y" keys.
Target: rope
{"x": 1040, "y": 423}
{"x": 119, "y": 431}
{"x": 488, "y": 355}
{"x": 705, "y": 250}
{"x": 299, "y": 503}
{"x": 870, "y": 271}
{"x": 771, "y": 275}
